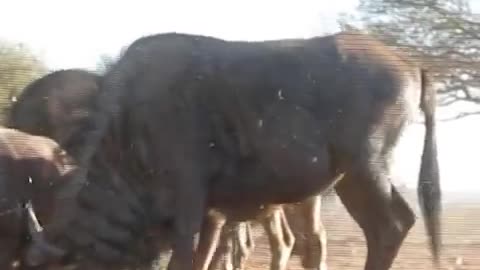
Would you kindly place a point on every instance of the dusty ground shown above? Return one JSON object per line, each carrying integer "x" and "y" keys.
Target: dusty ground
{"x": 346, "y": 247}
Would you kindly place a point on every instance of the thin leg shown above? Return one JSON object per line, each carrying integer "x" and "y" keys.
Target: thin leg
{"x": 208, "y": 242}
{"x": 381, "y": 212}
{"x": 315, "y": 256}
{"x": 281, "y": 239}
{"x": 243, "y": 245}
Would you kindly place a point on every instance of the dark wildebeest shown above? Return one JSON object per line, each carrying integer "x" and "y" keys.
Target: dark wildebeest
{"x": 57, "y": 104}
{"x": 241, "y": 125}
{"x": 33, "y": 169}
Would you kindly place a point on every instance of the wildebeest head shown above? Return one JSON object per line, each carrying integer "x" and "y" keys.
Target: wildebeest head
{"x": 56, "y": 106}
{"x": 59, "y": 106}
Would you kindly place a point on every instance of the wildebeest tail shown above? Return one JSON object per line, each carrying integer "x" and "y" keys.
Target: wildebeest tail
{"x": 429, "y": 192}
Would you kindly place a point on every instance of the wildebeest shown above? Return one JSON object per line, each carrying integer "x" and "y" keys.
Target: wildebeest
{"x": 34, "y": 169}
{"x": 241, "y": 125}
{"x": 57, "y": 104}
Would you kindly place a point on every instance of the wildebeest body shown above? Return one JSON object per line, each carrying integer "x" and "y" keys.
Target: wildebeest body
{"x": 236, "y": 125}
{"x": 245, "y": 102}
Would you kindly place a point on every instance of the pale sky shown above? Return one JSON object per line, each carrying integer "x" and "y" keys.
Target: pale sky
{"x": 73, "y": 33}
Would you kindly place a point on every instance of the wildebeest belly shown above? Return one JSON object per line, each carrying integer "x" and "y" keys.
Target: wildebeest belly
{"x": 289, "y": 159}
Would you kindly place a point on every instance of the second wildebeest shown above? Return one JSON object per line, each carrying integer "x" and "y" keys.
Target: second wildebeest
{"x": 33, "y": 169}
{"x": 59, "y": 103}
{"x": 238, "y": 125}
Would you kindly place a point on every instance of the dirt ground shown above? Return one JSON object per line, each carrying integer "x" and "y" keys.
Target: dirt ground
{"x": 347, "y": 249}
{"x": 346, "y": 246}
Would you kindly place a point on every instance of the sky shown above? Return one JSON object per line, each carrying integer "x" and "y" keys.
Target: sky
{"x": 69, "y": 34}
{"x": 74, "y": 33}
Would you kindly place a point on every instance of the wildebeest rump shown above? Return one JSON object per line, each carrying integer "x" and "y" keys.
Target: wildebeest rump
{"x": 33, "y": 169}
{"x": 237, "y": 125}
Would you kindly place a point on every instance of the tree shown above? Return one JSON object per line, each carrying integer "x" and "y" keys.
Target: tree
{"x": 18, "y": 67}
{"x": 104, "y": 63}
{"x": 444, "y": 35}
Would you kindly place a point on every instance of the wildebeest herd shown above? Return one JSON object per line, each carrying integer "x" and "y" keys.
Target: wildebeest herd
{"x": 188, "y": 135}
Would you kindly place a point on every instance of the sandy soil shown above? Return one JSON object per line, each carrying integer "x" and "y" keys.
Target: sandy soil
{"x": 347, "y": 249}
{"x": 346, "y": 246}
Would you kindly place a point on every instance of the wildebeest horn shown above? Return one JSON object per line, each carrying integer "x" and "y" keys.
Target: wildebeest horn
{"x": 40, "y": 251}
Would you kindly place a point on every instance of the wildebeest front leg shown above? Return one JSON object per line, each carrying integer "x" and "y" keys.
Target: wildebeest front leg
{"x": 280, "y": 237}
{"x": 315, "y": 256}
{"x": 380, "y": 210}
{"x": 189, "y": 214}
{"x": 208, "y": 242}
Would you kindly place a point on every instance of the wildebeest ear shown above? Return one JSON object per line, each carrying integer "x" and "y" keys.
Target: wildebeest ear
{"x": 40, "y": 251}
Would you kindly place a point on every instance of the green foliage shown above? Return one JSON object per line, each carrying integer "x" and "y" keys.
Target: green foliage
{"x": 18, "y": 67}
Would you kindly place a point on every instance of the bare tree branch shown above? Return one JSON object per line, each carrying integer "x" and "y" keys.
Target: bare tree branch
{"x": 442, "y": 35}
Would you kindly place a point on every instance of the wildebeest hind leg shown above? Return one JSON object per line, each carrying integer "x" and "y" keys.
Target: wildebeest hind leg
{"x": 315, "y": 256}
{"x": 381, "y": 212}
